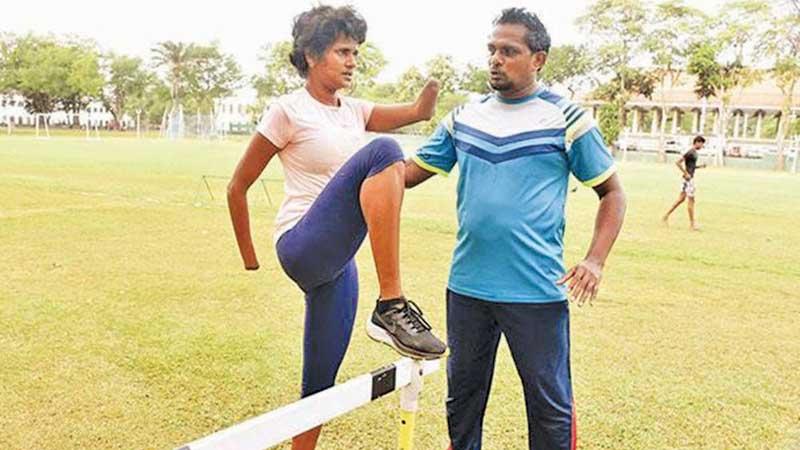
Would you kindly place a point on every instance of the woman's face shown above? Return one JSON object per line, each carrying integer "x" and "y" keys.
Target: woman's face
{"x": 335, "y": 68}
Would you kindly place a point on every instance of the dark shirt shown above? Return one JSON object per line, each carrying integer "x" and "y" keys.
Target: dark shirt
{"x": 690, "y": 159}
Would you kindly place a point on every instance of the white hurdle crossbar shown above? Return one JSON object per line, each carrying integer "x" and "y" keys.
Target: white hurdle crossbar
{"x": 283, "y": 423}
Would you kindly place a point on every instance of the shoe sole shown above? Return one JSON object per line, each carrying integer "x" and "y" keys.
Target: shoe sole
{"x": 378, "y": 334}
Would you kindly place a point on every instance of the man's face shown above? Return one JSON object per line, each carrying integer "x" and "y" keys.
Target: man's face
{"x": 512, "y": 65}
{"x": 699, "y": 145}
{"x": 336, "y": 67}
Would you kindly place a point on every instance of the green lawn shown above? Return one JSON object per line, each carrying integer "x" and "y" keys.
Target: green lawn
{"x": 127, "y": 322}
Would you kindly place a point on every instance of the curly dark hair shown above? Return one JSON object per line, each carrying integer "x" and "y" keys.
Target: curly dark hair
{"x": 537, "y": 38}
{"x": 315, "y": 30}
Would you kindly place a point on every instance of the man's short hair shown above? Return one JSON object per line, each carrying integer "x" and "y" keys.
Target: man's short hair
{"x": 699, "y": 139}
{"x": 315, "y": 30}
{"x": 537, "y": 38}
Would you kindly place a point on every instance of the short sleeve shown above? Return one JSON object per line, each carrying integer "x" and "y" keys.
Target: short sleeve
{"x": 362, "y": 108}
{"x": 276, "y": 126}
{"x": 589, "y": 158}
{"x": 366, "y": 108}
{"x": 438, "y": 154}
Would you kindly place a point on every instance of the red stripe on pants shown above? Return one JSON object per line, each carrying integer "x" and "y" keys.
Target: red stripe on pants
{"x": 574, "y": 444}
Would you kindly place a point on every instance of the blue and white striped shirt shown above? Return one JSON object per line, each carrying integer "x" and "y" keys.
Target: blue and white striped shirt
{"x": 514, "y": 159}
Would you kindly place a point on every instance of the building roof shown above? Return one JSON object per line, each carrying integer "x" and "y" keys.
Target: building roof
{"x": 763, "y": 94}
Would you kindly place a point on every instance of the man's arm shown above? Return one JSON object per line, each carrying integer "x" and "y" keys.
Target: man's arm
{"x": 390, "y": 117}
{"x": 682, "y": 166}
{"x": 584, "y": 278}
{"x": 415, "y": 174}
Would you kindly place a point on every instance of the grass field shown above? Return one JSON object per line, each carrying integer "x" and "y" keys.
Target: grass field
{"x": 127, "y": 322}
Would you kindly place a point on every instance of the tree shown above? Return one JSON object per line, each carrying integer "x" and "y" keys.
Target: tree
{"x": 410, "y": 83}
{"x": 781, "y": 42}
{"x": 618, "y": 34}
{"x": 475, "y": 79}
{"x": 380, "y": 93}
{"x": 718, "y": 62}
{"x": 738, "y": 26}
{"x": 370, "y": 64}
{"x": 714, "y": 78}
{"x": 608, "y": 123}
{"x": 616, "y": 93}
{"x": 279, "y": 76}
{"x": 175, "y": 58}
{"x": 7, "y": 44}
{"x": 636, "y": 82}
{"x": 441, "y": 68}
{"x": 33, "y": 71}
{"x": 151, "y": 103}
{"x": 566, "y": 65}
{"x": 675, "y": 28}
{"x": 49, "y": 73}
{"x": 126, "y": 79}
{"x": 84, "y": 82}
{"x": 412, "y": 80}
{"x": 210, "y": 75}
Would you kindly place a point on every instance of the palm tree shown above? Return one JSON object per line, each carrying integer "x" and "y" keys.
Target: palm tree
{"x": 670, "y": 41}
{"x": 176, "y": 58}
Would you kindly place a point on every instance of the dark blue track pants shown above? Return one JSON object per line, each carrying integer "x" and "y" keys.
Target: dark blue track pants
{"x": 538, "y": 337}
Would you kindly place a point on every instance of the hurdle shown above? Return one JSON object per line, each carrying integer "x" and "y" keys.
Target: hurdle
{"x": 204, "y": 181}
{"x": 279, "y": 425}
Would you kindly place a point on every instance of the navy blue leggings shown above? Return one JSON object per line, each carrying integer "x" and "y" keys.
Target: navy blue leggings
{"x": 318, "y": 253}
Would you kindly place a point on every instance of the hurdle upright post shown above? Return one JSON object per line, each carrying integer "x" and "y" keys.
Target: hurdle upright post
{"x": 409, "y": 405}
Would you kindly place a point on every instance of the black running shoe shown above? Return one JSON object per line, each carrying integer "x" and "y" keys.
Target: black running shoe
{"x": 402, "y": 327}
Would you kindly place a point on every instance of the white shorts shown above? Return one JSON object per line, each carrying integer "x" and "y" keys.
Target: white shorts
{"x": 688, "y": 187}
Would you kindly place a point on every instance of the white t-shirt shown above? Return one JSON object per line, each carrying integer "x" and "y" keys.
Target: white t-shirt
{"x": 315, "y": 141}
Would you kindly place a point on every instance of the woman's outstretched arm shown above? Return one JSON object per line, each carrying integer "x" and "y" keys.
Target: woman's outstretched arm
{"x": 390, "y": 117}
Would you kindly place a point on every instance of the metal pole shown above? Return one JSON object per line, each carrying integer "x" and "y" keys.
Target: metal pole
{"x": 211, "y": 194}
{"x": 409, "y": 405}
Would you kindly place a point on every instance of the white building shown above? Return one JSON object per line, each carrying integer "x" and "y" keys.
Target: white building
{"x": 12, "y": 109}
{"x": 234, "y": 114}
{"x": 677, "y": 110}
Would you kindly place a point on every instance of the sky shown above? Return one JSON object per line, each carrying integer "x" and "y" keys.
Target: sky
{"x": 408, "y": 32}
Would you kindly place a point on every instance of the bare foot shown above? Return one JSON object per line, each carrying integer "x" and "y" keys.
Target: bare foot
{"x": 426, "y": 100}
{"x": 695, "y": 227}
